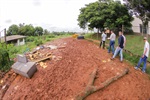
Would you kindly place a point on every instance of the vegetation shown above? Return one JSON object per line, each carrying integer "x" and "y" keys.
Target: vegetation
{"x": 102, "y": 15}
{"x": 135, "y": 49}
{"x": 27, "y": 30}
{"x": 4, "y": 59}
{"x": 10, "y": 51}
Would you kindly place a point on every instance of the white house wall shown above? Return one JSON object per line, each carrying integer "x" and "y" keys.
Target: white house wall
{"x": 136, "y": 25}
{"x": 20, "y": 42}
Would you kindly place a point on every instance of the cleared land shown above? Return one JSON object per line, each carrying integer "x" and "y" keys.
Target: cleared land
{"x": 65, "y": 77}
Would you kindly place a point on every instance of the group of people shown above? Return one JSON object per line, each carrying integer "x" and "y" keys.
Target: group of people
{"x": 121, "y": 45}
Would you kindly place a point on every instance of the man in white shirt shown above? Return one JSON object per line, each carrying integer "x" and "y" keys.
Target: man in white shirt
{"x": 112, "y": 42}
{"x": 144, "y": 56}
{"x": 103, "y": 40}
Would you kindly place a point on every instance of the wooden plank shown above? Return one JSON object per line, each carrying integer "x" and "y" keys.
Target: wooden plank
{"x": 42, "y": 59}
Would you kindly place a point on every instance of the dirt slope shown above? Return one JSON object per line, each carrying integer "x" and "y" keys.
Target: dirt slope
{"x": 64, "y": 78}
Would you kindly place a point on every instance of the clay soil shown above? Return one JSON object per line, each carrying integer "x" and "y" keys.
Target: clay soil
{"x": 65, "y": 77}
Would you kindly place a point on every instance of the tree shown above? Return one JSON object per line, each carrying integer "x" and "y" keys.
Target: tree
{"x": 27, "y": 30}
{"x": 38, "y": 30}
{"x": 45, "y": 32}
{"x": 116, "y": 18}
{"x": 104, "y": 13}
{"x": 13, "y": 30}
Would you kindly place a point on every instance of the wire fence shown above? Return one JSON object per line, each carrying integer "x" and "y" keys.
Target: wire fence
{"x": 141, "y": 29}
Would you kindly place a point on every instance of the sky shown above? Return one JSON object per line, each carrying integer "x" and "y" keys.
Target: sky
{"x": 54, "y": 15}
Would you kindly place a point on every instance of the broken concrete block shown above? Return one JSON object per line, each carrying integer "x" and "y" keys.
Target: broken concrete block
{"x": 25, "y": 69}
{"x": 22, "y": 58}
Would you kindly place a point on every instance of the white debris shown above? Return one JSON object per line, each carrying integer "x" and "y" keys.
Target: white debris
{"x": 52, "y": 47}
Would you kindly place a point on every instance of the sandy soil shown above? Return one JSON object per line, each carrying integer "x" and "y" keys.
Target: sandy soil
{"x": 63, "y": 78}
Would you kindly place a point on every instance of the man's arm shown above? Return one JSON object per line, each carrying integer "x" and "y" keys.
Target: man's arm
{"x": 124, "y": 41}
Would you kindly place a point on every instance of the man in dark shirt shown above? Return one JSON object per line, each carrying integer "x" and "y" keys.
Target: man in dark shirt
{"x": 120, "y": 47}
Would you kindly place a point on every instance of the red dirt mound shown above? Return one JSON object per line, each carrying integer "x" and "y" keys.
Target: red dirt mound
{"x": 64, "y": 78}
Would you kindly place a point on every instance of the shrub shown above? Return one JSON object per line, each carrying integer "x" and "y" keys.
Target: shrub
{"x": 38, "y": 42}
{"x": 4, "y": 60}
{"x": 51, "y": 36}
{"x": 30, "y": 39}
{"x": 48, "y": 39}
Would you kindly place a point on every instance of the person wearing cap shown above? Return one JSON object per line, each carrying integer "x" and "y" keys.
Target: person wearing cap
{"x": 112, "y": 42}
{"x": 119, "y": 48}
{"x": 144, "y": 56}
{"x": 103, "y": 39}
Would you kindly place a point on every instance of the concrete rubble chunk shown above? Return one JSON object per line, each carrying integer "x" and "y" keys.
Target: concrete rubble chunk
{"x": 22, "y": 58}
{"x": 25, "y": 69}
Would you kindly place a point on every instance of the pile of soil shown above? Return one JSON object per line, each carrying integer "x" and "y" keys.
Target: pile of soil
{"x": 64, "y": 78}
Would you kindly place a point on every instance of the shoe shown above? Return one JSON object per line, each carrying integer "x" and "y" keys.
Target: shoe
{"x": 143, "y": 71}
{"x": 111, "y": 58}
{"x": 121, "y": 61}
{"x": 136, "y": 68}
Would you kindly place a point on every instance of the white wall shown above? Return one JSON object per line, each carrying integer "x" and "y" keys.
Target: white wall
{"x": 136, "y": 25}
{"x": 20, "y": 42}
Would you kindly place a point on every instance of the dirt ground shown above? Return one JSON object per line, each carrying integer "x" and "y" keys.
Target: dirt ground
{"x": 65, "y": 77}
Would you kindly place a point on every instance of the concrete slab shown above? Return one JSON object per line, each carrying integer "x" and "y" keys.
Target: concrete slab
{"x": 25, "y": 69}
{"x": 22, "y": 58}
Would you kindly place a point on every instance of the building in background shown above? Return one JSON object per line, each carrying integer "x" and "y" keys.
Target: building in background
{"x": 137, "y": 26}
{"x": 15, "y": 39}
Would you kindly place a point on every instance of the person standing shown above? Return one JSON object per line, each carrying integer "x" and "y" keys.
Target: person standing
{"x": 103, "y": 40}
{"x": 119, "y": 48}
{"x": 144, "y": 56}
{"x": 112, "y": 42}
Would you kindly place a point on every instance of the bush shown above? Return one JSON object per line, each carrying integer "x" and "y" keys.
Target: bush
{"x": 38, "y": 42}
{"x": 30, "y": 39}
{"x": 4, "y": 60}
{"x": 51, "y": 36}
{"x": 48, "y": 39}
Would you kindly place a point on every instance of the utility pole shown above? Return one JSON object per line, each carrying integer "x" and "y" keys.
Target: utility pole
{"x": 5, "y": 35}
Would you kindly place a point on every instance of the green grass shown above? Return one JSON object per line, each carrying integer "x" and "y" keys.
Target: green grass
{"x": 134, "y": 44}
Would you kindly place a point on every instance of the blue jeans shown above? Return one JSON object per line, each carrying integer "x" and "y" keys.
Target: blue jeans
{"x": 144, "y": 59}
{"x": 118, "y": 50}
{"x": 111, "y": 46}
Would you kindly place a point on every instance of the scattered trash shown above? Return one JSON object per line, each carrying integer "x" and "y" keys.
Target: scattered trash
{"x": 75, "y": 35}
{"x": 104, "y": 61}
{"x": 38, "y": 48}
{"x": 1, "y": 81}
{"x": 52, "y": 47}
{"x": 4, "y": 87}
{"x": 42, "y": 47}
{"x": 80, "y": 37}
{"x": 42, "y": 64}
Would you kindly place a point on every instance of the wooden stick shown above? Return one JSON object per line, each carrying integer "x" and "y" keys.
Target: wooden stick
{"x": 91, "y": 88}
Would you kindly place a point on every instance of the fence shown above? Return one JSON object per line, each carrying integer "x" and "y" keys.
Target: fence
{"x": 141, "y": 29}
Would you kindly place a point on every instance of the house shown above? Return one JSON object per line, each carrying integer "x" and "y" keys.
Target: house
{"x": 137, "y": 26}
{"x": 15, "y": 39}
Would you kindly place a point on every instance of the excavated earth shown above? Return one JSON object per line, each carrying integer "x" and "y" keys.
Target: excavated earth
{"x": 65, "y": 77}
